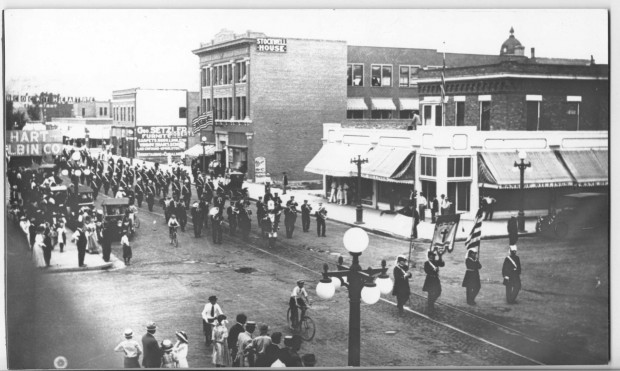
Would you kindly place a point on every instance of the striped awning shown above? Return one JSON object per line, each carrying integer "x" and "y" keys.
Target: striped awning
{"x": 383, "y": 104}
{"x": 356, "y": 104}
{"x": 390, "y": 164}
{"x": 586, "y": 167}
{"x": 196, "y": 151}
{"x": 496, "y": 170}
{"x": 335, "y": 160}
{"x": 409, "y": 103}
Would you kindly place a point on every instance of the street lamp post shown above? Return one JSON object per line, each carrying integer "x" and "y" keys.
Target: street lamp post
{"x": 359, "y": 210}
{"x": 367, "y": 285}
{"x": 203, "y": 142}
{"x": 522, "y": 165}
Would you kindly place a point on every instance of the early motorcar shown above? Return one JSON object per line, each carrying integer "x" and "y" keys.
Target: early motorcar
{"x": 576, "y": 213}
{"x": 77, "y": 201}
{"x": 114, "y": 212}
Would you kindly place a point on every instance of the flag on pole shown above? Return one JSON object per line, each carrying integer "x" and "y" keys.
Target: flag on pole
{"x": 473, "y": 241}
{"x": 202, "y": 121}
{"x": 443, "y": 76}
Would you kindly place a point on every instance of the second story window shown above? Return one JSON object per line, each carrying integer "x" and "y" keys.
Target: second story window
{"x": 355, "y": 74}
{"x": 408, "y": 76}
{"x": 381, "y": 75}
{"x": 460, "y": 113}
{"x": 459, "y": 167}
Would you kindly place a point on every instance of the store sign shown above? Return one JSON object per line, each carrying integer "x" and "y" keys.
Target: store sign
{"x": 34, "y": 142}
{"x": 260, "y": 167}
{"x": 160, "y": 140}
{"x": 271, "y": 45}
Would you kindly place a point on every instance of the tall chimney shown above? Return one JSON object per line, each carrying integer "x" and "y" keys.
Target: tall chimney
{"x": 533, "y": 53}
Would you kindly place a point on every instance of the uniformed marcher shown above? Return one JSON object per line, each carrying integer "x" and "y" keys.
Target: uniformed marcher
{"x": 196, "y": 218}
{"x": 306, "y": 210}
{"x": 471, "y": 281}
{"x": 216, "y": 225}
{"x": 150, "y": 195}
{"x": 432, "y": 285}
{"x": 511, "y": 271}
{"x": 186, "y": 192}
{"x": 290, "y": 216}
{"x": 139, "y": 191}
{"x": 232, "y": 213}
{"x": 401, "y": 283}
{"x": 181, "y": 214}
{"x": 321, "y": 215}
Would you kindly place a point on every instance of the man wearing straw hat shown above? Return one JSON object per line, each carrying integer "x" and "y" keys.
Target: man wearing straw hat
{"x": 132, "y": 350}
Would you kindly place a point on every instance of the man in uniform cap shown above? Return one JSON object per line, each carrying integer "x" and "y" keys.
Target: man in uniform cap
{"x": 511, "y": 270}
{"x": 432, "y": 285}
{"x": 401, "y": 283}
{"x": 196, "y": 218}
{"x": 306, "y": 210}
{"x": 152, "y": 351}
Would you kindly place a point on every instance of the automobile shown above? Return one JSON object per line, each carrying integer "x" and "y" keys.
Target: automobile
{"x": 576, "y": 213}
{"x": 60, "y": 195}
{"x": 76, "y": 202}
{"x": 114, "y": 210}
{"x": 234, "y": 187}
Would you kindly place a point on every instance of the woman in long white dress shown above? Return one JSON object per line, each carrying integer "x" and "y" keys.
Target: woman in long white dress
{"x": 221, "y": 355}
{"x": 39, "y": 245}
{"x": 181, "y": 348}
{"x": 91, "y": 236}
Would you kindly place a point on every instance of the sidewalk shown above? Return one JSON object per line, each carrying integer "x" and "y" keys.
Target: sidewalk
{"x": 393, "y": 225}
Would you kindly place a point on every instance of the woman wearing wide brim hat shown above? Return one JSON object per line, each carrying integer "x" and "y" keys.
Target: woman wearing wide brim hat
{"x": 181, "y": 348}
{"x": 168, "y": 357}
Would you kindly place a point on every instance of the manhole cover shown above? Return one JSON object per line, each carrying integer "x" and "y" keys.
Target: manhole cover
{"x": 245, "y": 270}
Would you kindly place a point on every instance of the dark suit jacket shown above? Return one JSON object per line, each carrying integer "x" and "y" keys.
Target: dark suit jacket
{"x": 152, "y": 352}
{"x": 401, "y": 283}
{"x": 233, "y": 335}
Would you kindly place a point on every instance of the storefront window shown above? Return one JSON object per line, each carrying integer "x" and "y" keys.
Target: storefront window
{"x": 458, "y": 193}
{"x": 394, "y": 193}
{"x": 381, "y": 114}
{"x": 428, "y": 166}
{"x": 355, "y": 114}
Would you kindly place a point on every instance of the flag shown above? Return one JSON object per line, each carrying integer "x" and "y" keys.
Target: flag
{"x": 202, "y": 121}
{"x": 443, "y": 77}
{"x": 445, "y": 233}
{"x": 473, "y": 241}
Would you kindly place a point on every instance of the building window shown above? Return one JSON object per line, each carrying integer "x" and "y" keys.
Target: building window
{"x": 460, "y": 113}
{"x": 459, "y": 167}
{"x": 203, "y": 77}
{"x": 438, "y": 115}
{"x": 485, "y": 115}
{"x": 381, "y": 114}
{"x": 182, "y": 112}
{"x": 355, "y": 75}
{"x": 428, "y": 166}
{"x": 100, "y": 111}
{"x": 408, "y": 76}
{"x": 381, "y": 75}
{"x": 133, "y": 114}
{"x": 208, "y": 72}
{"x": 207, "y": 105}
{"x": 83, "y": 112}
{"x": 105, "y": 111}
{"x": 406, "y": 114}
{"x": 355, "y": 114}
{"x": 428, "y": 114}
{"x": 533, "y": 115}
{"x": 458, "y": 193}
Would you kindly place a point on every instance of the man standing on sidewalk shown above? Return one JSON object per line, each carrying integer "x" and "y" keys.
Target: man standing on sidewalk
{"x": 284, "y": 183}
{"x": 152, "y": 351}
{"x": 422, "y": 206}
{"x": 321, "y": 215}
{"x": 79, "y": 237}
{"x": 306, "y": 209}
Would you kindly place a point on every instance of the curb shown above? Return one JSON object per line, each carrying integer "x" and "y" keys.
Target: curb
{"x": 79, "y": 269}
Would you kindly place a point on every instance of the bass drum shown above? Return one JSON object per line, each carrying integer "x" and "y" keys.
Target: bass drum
{"x": 214, "y": 211}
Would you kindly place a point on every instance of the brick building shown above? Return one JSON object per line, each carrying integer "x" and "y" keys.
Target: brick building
{"x": 556, "y": 110}
{"x": 98, "y": 109}
{"x": 269, "y": 96}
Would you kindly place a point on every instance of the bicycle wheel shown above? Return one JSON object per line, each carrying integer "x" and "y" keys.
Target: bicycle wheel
{"x": 307, "y": 329}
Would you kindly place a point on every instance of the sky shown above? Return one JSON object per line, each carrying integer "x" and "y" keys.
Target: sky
{"x": 91, "y": 52}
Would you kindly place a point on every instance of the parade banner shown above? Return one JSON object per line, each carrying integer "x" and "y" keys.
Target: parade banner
{"x": 160, "y": 140}
{"x": 445, "y": 233}
{"x": 34, "y": 142}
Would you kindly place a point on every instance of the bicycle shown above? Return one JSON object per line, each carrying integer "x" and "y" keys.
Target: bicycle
{"x": 173, "y": 238}
{"x": 305, "y": 325}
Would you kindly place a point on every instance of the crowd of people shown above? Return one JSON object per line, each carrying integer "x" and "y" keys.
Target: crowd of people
{"x": 231, "y": 346}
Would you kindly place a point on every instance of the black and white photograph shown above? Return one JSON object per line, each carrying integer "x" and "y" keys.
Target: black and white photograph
{"x": 280, "y": 187}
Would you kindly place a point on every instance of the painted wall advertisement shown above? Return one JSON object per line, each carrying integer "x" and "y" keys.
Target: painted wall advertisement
{"x": 34, "y": 142}
{"x": 260, "y": 170}
{"x": 160, "y": 140}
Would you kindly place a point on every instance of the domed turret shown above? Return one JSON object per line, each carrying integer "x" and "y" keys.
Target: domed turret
{"x": 512, "y": 46}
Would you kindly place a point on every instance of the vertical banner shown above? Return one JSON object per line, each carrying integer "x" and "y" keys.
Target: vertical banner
{"x": 445, "y": 233}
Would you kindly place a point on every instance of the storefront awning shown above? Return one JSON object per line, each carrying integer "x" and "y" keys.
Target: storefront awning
{"x": 196, "y": 151}
{"x": 585, "y": 167}
{"x": 356, "y": 104}
{"x": 496, "y": 170}
{"x": 76, "y": 132}
{"x": 383, "y": 104}
{"x": 390, "y": 164}
{"x": 409, "y": 103}
{"x": 335, "y": 160}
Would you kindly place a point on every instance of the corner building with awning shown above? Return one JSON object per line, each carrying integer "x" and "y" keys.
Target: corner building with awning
{"x": 467, "y": 142}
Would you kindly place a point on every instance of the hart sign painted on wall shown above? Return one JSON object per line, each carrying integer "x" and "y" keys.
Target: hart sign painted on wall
{"x": 34, "y": 142}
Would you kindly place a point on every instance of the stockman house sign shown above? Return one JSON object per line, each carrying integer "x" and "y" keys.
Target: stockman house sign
{"x": 160, "y": 140}
{"x": 271, "y": 45}
{"x": 34, "y": 142}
